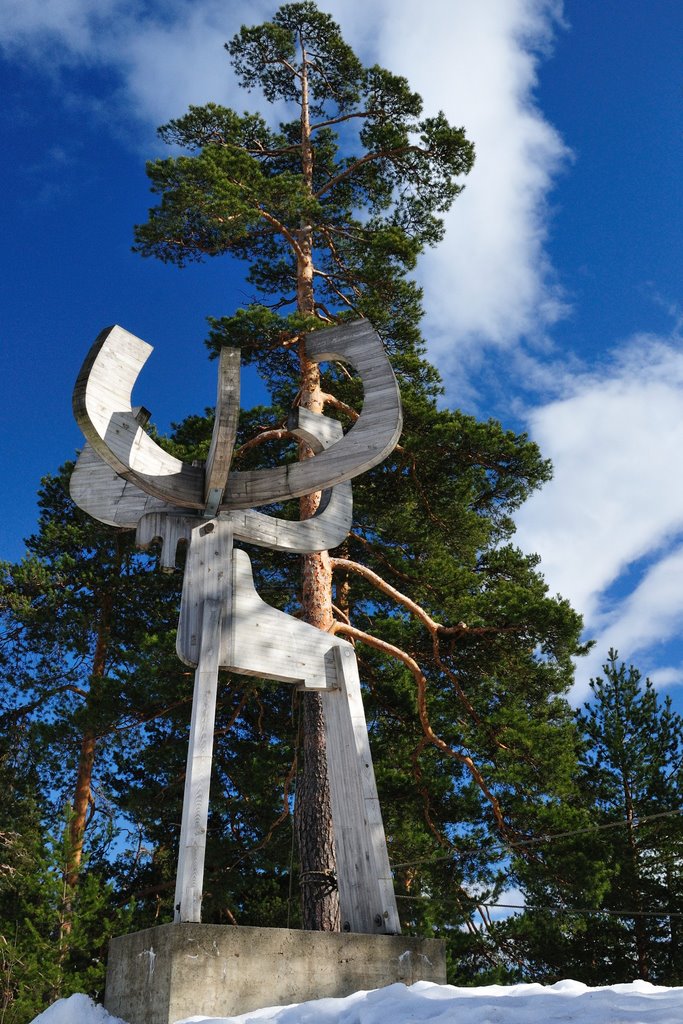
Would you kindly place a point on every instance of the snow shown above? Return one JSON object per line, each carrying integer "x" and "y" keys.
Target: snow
{"x": 562, "y": 1003}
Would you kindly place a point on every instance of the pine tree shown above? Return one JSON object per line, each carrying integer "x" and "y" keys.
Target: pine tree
{"x": 463, "y": 654}
{"x": 76, "y": 612}
{"x": 332, "y": 211}
{"x": 632, "y": 765}
{"x": 289, "y": 202}
{"x": 618, "y": 879}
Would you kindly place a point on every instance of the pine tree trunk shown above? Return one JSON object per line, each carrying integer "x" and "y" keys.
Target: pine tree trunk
{"x": 313, "y": 812}
{"x": 83, "y": 787}
{"x": 642, "y": 952}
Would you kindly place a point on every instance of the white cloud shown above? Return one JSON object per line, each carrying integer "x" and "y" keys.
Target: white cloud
{"x": 615, "y": 504}
{"x": 490, "y": 281}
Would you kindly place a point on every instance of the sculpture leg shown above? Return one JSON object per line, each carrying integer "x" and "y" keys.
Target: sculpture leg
{"x": 189, "y": 882}
{"x": 366, "y": 888}
{"x": 263, "y": 641}
{"x": 205, "y": 607}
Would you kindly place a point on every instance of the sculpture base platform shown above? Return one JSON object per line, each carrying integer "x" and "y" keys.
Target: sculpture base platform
{"x": 166, "y": 974}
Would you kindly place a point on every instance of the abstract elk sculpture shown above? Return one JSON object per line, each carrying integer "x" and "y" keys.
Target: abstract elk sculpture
{"x": 122, "y": 477}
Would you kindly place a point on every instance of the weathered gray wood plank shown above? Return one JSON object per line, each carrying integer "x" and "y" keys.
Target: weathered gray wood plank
{"x": 102, "y": 406}
{"x": 224, "y": 429}
{"x": 373, "y": 436}
{"x": 206, "y": 589}
{"x": 366, "y": 888}
{"x": 265, "y": 642}
{"x": 102, "y": 493}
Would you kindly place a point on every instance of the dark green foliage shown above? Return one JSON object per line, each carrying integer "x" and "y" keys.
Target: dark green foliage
{"x": 618, "y": 879}
{"x": 81, "y": 617}
{"x": 80, "y": 586}
{"x": 381, "y": 174}
{"x": 464, "y": 656}
{"x": 435, "y": 521}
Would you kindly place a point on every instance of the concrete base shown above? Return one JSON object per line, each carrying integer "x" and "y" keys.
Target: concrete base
{"x": 172, "y": 972}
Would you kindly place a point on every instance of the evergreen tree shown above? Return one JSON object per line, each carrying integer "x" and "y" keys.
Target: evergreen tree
{"x": 462, "y": 649}
{"x": 328, "y": 231}
{"x": 632, "y": 765}
{"x": 463, "y": 654}
{"x": 75, "y": 614}
{"x": 619, "y": 878}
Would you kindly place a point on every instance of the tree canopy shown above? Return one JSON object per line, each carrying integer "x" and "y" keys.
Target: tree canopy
{"x": 465, "y": 657}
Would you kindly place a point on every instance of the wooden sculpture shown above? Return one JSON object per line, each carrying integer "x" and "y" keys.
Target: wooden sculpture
{"x": 122, "y": 477}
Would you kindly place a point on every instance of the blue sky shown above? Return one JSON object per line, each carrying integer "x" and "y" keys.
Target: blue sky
{"x": 553, "y": 304}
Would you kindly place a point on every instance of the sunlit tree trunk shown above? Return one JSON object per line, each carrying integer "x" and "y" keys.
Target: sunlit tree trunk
{"x": 83, "y": 798}
{"x": 313, "y": 814}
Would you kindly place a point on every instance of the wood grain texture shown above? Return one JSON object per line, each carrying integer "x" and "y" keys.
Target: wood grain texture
{"x": 122, "y": 477}
{"x": 373, "y": 436}
{"x": 332, "y": 521}
{"x": 102, "y": 406}
{"x": 103, "y": 494}
{"x": 206, "y": 589}
{"x": 169, "y": 530}
{"x": 208, "y": 570}
{"x": 224, "y": 429}
{"x": 97, "y": 489}
{"x": 225, "y": 624}
{"x": 366, "y": 888}
{"x": 265, "y": 642}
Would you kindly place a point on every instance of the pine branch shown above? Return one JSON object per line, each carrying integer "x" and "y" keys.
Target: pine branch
{"x": 382, "y": 154}
{"x": 436, "y": 741}
{"x": 381, "y": 584}
{"x": 435, "y": 629}
{"x": 278, "y": 434}
{"x": 340, "y": 119}
{"x": 337, "y": 403}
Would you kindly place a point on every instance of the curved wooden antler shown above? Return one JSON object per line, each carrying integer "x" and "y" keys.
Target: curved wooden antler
{"x": 102, "y": 406}
{"x": 100, "y": 492}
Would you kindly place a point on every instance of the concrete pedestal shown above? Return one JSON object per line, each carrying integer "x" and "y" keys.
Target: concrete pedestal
{"x": 166, "y": 974}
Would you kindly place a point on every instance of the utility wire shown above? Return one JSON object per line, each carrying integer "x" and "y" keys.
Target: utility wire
{"x": 539, "y": 840}
{"x": 575, "y": 911}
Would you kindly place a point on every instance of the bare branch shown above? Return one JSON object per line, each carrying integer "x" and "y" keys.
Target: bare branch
{"x": 381, "y": 584}
{"x": 421, "y": 683}
{"x": 337, "y": 403}
{"x": 340, "y": 119}
{"x": 383, "y": 154}
{"x": 280, "y": 434}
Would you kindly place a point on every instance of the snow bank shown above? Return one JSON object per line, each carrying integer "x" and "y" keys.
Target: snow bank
{"x": 76, "y": 1009}
{"x": 564, "y": 1003}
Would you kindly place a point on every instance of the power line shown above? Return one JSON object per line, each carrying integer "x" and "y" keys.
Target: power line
{"x": 574, "y": 911}
{"x": 539, "y": 840}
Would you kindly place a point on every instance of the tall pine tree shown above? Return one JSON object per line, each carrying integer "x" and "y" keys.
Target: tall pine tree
{"x": 609, "y": 889}
{"x": 331, "y": 210}
{"x": 327, "y": 231}
{"x": 77, "y": 615}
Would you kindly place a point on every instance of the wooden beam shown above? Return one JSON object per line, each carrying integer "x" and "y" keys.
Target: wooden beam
{"x": 366, "y": 888}
{"x": 207, "y": 592}
{"x": 372, "y": 437}
{"x": 224, "y": 429}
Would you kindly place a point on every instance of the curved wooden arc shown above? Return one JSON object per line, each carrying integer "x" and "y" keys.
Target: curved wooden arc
{"x": 372, "y": 437}
{"x": 104, "y": 495}
{"x": 99, "y": 490}
{"x": 102, "y": 406}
